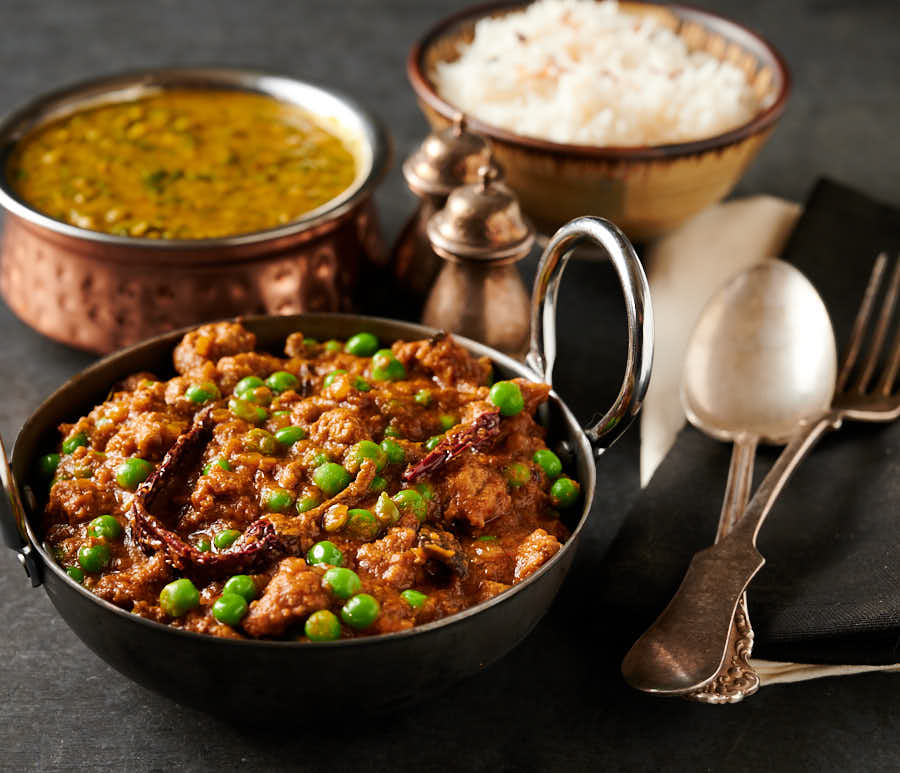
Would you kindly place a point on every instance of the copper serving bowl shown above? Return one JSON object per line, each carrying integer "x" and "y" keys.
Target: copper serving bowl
{"x": 645, "y": 190}
{"x": 99, "y": 291}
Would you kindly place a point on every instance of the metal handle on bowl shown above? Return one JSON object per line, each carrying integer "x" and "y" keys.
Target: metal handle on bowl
{"x": 638, "y": 313}
{"x": 12, "y": 520}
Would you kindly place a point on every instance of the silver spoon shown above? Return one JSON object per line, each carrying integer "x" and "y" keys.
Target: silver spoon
{"x": 761, "y": 359}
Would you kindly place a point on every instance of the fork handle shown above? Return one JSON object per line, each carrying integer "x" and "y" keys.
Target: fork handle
{"x": 689, "y": 639}
{"x": 802, "y": 442}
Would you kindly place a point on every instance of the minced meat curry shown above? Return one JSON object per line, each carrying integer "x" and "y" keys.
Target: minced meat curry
{"x": 182, "y": 164}
{"x": 342, "y": 490}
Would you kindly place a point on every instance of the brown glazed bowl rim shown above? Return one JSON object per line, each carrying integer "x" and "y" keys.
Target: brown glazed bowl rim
{"x": 746, "y": 38}
{"x": 338, "y": 323}
{"x": 365, "y": 128}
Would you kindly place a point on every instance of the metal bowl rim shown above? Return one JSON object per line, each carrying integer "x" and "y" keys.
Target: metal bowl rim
{"x": 761, "y": 121}
{"x": 584, "y": 450}
{"x": 374, "y": 135}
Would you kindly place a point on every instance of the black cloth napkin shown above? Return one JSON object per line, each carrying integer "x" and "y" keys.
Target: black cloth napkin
{"x": 830, "y": 590}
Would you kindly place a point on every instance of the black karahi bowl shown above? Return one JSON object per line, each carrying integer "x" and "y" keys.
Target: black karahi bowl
{"x": 376, "y": 670}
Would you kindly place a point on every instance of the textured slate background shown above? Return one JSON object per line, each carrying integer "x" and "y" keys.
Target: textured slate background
{"x": 557, "y": 701}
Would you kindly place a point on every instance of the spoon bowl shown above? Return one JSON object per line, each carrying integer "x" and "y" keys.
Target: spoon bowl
{"x": 762, "y": 357}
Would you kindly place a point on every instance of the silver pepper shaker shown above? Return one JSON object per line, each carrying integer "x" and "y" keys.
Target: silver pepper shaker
{"x": 444, "y": 161}
{"x": 481, "y": 233}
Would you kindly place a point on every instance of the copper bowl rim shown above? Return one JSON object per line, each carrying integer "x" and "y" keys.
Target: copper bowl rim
{"x": 339, "y": 323}
{"x": 731, "y": 30}
{"x": 364, "y": 126}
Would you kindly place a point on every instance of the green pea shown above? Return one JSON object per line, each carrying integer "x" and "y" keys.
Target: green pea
{"x": 47, "y": 465}
{"x": 362, "y": 345}
{"x": 241, "y": 585}
{"x": 360, "y": 611}
{"x": 433, "y": 442}
{"x": 487, "y": 538}
{"x": 179, "y": 597}
{"x": 410, "y": 501}
{"x": 325, "y": 552}
{"x": 83, "y": 472}
{"x": 259, "y": 440}
{"x": 93, "y": 558}
{"x": 386, "y": 367}
{"x": 393, "y": 450}
{"x": 319, "y": 459}
{"x": 343, "y": 583}
{"x": 362, "y": 524}
{"x": 203, "y": 545}
{"x": 247, "y": 411}
{"x": 310, "y": 342}
{"x": 361, "y": 384}
{"x": 287, "y": 436}
{"x": 386, "y": 510}
{"x": 365, "y": 450}
{"x": 225, "y": 538}
{"x": 75, "y": 573}
{"x": 517, "y": 474}
{"x": 132, "y": 472}
{"x": 392, "y": 432}
{"x": 331, "y": 478}
{"x": 248, "y": 383}
{"x": 507, "y": 396}
{"x": 426, "y": 490}
{"x": 332, "y": 377}
{"x": 447, "y": 421}
{"x": 221, "y": 463}
{"x": 423, "y": 397}
{"x": 280, "y": 414}
{"x": 278, "y": 500}
{"x": 202, "y": 393}
{"x": 258, "y": 396}
{"x": 281, "y": 381}
{"x": 414, "y": 598}
{"x": 548, "y": 462}
{"x": 564, "y": 492}
{"x": 307, "y": 503}
{"x": 105, "y": 527}
{"x": 333, "y": 345}
{"x": 322, "y": 626}
{"x": 74, "y": 441}
{"x": 229, "y": 608}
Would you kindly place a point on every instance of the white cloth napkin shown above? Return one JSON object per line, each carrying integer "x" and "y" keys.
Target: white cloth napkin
{"x": 684, "y": 269}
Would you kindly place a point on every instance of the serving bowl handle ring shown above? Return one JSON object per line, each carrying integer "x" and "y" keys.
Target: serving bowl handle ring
{"x": 638, "y": 313}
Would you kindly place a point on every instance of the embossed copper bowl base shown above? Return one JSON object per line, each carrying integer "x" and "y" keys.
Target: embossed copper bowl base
{"x": 100, "y": 292}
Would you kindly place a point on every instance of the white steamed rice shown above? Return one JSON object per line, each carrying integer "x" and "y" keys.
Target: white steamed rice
{"x": 587, "y": 73}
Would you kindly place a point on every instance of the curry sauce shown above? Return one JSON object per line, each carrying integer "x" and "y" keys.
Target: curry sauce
{"x": 182, "y": 164}
{"x": 341, "y": 490}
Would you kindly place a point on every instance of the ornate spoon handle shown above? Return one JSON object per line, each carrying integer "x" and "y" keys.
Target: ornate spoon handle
{"x": 683, "y": 650}
{"x": 736, "y": 678}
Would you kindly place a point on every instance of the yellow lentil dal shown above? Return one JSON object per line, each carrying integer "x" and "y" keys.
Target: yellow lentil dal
{"x": 187, "y": 164}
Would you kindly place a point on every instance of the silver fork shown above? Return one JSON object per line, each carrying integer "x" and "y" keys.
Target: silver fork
{"x": 696, "y": 630}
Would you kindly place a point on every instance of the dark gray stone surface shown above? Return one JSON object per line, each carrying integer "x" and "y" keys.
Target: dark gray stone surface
{"x": 557, "y": 701}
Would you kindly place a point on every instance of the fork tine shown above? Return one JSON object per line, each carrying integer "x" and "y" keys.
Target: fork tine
{"x": 862, "y": 319}
{"x": 886, "y": 383}
{"x": 881, "y": 330}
